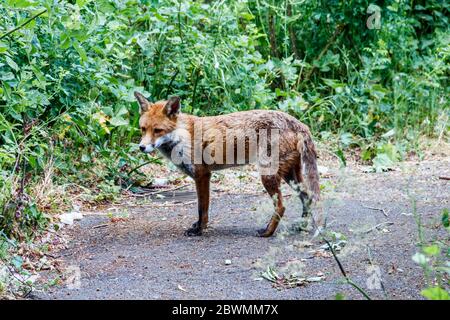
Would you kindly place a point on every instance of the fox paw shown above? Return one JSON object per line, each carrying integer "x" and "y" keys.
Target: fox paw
{"x": 264, "y": 233}
{"x": 195, "y": 230}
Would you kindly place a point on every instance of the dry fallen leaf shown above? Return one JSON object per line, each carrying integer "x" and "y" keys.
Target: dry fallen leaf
{"x": 181, "y": 288}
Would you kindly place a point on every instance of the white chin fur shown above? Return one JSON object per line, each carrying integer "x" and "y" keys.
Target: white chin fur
{"x": 159, "y": 142}
{"x": 162, "y": 140}
{"x": 148, "y": 149}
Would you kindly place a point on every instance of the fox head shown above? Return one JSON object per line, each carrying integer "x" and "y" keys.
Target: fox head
{"x": 158, "y": 120}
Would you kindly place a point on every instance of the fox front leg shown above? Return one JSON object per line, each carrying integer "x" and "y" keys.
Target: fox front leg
{"x": 202, "y": 186}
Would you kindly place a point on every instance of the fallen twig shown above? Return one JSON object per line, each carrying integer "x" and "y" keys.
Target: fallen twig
{"x": 159, "y": 191}
{"x": 173, "y": 204}
{"x": 444, "y": 178}
{"x": 100, "y": 226}
{"x": 378, "y": 209}
{"x": 379, "y": 225}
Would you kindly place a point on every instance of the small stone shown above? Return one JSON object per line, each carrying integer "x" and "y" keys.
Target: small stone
{"x": 227, "y": 262}
{"x": 66, "y": 218}
{"x": 161, "y": 181}
{"x": 254, "y": 174}
{"x": 322, "y": 169}
{"x": 77, "y": 215}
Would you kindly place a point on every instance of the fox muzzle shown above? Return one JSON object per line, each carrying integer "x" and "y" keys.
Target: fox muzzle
{"x": 146, "y": 148}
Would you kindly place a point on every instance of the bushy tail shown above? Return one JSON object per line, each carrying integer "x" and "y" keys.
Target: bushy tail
{"x": 309, "y": 161}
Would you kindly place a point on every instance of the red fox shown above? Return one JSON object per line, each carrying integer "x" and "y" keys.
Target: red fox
{"x": 278, "y": 143}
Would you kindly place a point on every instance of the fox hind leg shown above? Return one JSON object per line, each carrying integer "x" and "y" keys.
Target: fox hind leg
{"x": 304, "y": 196}
{"x": 294, "y": 178}
{"x": 272, "y": 185}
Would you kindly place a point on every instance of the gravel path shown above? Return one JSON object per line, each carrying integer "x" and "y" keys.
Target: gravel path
{"x": 143, "y": 254}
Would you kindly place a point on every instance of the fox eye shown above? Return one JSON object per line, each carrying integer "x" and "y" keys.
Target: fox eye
{"x": 157, "y": 130}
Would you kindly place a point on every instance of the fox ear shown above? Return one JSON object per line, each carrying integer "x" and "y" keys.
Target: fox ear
{"x": 143, "y": 102}
{"x": 172, "y": 106}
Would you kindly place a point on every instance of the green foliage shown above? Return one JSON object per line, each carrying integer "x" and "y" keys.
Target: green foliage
{"x": 388, "y": 84}
{"x": 445, "y": 220}
{"x": 69, "y": 68}
{"x": 339, "y": 296}
{"x": 434, "y": 260}
{"x": 435, "y": 293}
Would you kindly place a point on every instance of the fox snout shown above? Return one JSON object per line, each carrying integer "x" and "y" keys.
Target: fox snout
{"x": 146, "y": 148}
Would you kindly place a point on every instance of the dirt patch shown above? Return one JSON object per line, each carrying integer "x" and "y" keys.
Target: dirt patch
{"x": 145, "y": 255}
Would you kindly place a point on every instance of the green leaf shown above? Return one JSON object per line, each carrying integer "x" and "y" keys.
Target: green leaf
{"x": 17, "y": 261}
{"x": 435, "y": 293}
{"x": 382, "y": 162}
{"x": 122, "y": 111}
{"x": 118, "y": 121}
{"x": 420, "y": 259}
{"x": 367, "y": 154}
{"x": 3, "y": 47}
{"x": 339, "y": 296}
{"x": 80, "y": 51}
{"x": 160, "y": 17}
{"x": 7, "y": 76}
{"x": 85, "y": 158}
{"x": 334, "y": 83}
{"x": 340, "y": 154}
{"x": 346, "y": 139}
{"x": 12, "y": 64}
{"x": 81, "y": 3}
{"x": 388, "y": 134}
{"x": 21, "y": 3}
{"x": 445, "y": 220}
{"x": 247, "y": 16}
{"x": 432, "y": 250}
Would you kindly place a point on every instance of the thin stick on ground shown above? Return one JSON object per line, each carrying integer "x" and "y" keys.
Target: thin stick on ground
{"x": 387, "y": 223}
{"x": 100, "y": 226}
{"x": 164, "y": 205}
{"x": 341, "y": 268}
{"x": 378, "y": 209}
{"x": 160, "y": 191}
